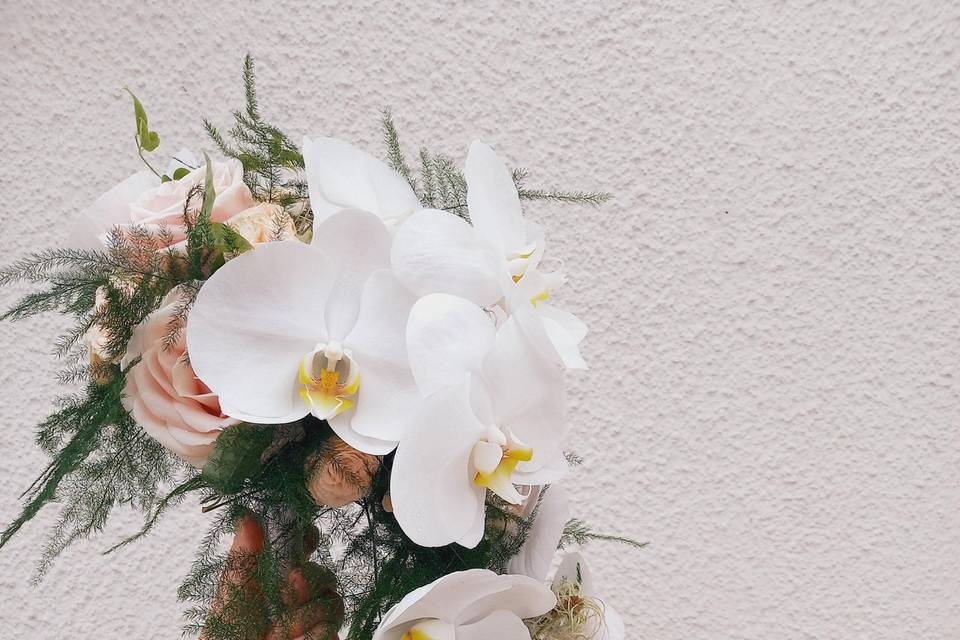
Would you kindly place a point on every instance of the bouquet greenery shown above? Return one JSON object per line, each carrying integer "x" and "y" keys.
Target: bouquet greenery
{"x": 355, "y": 364}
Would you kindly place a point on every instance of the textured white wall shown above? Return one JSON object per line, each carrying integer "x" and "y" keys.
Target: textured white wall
{"x": 774, "y": 294}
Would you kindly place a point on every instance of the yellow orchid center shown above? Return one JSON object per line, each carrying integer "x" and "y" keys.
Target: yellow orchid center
{"x": 329, "y": 380}
{"x": 496, "y": 458}
{"x": 518, "y": 261}
{"x": 543, "y": 296}
{"x": 430, "y": 629}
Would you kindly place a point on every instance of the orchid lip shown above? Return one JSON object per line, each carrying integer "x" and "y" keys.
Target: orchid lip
{"x": 494, "y": 458}
{"x": 329, "y": 379}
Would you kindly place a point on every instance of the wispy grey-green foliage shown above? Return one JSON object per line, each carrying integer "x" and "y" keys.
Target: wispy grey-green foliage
{"x": 272, "y": 164}
{"x": 101, "y": 458}
{"x": 576, "y": 532}
{"x": 439, "y": 182}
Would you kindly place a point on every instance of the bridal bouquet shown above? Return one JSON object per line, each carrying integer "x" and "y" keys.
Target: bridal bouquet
{"x": 355, "y": 365}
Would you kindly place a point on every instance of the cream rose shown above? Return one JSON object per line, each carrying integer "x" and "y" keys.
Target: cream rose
{"x": 264, "y": 223}
{"x": 144, "y": 201}
{"x": 163, "y": 394}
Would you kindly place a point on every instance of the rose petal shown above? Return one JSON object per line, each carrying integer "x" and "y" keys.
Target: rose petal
{"x": 109, "y": 210}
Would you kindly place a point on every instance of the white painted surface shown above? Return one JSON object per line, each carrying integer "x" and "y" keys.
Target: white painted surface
{"x": 774, "y": 294}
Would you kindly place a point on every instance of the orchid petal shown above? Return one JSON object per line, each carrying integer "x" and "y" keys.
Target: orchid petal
{"x": 252, "y": 323}
{"x": 474, "y": 534}
{"x": 557, "y": 336}
{"x": 493, "y": 201}
{"x": 535, "y": 236}
{"x": 574, "y": 326}
{"x": 358, "y": 243}
{"x": 434, "y": 498}
{"x": 615, "y": 629}
{"x": 438, "y": 252}
{"x": 524, "y": 597}
{"x": 443, "y": 599}
{"x": 574, "y": 569}
{"x": 553, "y": 470}
{"x": 447, "y": 338}
{"x": 528, "y": 394}
{"x": 565, "y": 331}
{"x": 543, "y": 538}
{"x": 502, "y": 625}
{"x": 342, "y": 426}
{"x": 341, "y": 176}
{"x": 388, "y": 391}
{"x": 486, "y": 456}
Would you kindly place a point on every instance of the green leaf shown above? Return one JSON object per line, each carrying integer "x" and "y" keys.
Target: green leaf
{"x": 147, "y": 139}
{"x": 180, "y": 172}
{"x": 236, "y": 456}
{"x": 209, "y": 193}
{"x": 165, "y": 178}
{"x": 226, "y": 238}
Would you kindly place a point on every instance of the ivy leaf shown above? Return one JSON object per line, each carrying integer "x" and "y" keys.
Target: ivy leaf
{"x": 180, "y": 172}
{"x": 147, "y": 139}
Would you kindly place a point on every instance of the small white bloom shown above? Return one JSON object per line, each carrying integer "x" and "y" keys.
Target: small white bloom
{"x": 289, "y": 329}
{"x": 467, "y": 605}
{"x": 494, "y": 416}
{"x": 573, "y": 577}
{"x": 494, "y": 261}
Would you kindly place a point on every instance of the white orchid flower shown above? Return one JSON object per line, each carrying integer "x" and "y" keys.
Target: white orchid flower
{"x": 289, "y": 329}
{"x": 494, "y": 261}
{"x": 551, "y": 513}
{"x": 341, "y": 176}
{"x": 493, "y": 417}
{"x": 467, "y": 605}
{"x": 574, "y": 588}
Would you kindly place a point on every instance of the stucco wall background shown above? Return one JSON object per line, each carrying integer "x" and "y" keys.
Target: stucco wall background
{"x": 774, "y": 293}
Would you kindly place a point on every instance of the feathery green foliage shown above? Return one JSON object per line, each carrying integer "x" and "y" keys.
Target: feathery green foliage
{"x": 576, "y": 532}
{"x": 439, "y": 183}
{"x": 101, "y": 459}
{"x": 272, "y": 164}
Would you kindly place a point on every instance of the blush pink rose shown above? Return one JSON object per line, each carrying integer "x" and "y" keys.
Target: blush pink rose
{"x": 144, "y": 201}
{"x": 164, "y": 395}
